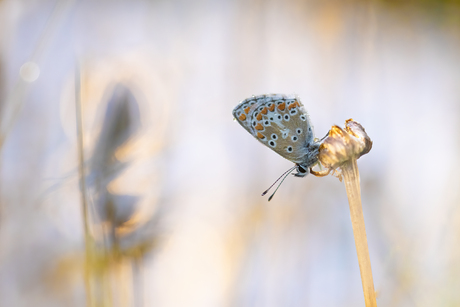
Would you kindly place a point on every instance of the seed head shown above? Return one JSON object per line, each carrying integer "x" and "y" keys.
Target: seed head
{"x": 341, "y": 145}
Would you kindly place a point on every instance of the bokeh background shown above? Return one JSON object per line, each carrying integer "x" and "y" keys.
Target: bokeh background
{"x": 170, "y": 213}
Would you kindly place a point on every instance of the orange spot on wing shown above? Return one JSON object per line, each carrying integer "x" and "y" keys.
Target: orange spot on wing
{"x": 259, "y": 127}
{"x": 293, "y": 105}
{"x": 297, "y": 104}
{"x": 272, "y": 108}
{"x": 247, "y": 110}
{"x": 264, "y": 111}
{"x": 260, "y": 135}
{"x": 282, "y": 106}
{"x": 259, "y": 116}
{"x": 242, "y": 117}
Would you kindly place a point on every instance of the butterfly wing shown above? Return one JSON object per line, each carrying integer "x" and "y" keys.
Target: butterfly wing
{"x": 279, "y": 122}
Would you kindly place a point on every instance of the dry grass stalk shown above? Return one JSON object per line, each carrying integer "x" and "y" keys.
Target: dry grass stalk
{"x": 82, "y": 176}
{"x": 351, "y": 177}
{"x": 341, "y": 149}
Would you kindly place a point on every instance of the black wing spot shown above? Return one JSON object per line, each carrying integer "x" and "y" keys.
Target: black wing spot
{"x": 274, "y": 136}
{"x": 289, "y": 149}
{"x": 298, "y": 130}
{"x": 286, "y": 117}
{"x": 303, "y": 117}
{"x": 272, "y": 143}
{"x": 294, "y": 138}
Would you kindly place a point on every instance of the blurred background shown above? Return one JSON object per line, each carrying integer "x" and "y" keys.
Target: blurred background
{"x": 125, "y": 181}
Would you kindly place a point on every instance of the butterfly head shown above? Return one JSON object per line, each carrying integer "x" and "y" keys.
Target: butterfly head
{"x": 302, "y": 171}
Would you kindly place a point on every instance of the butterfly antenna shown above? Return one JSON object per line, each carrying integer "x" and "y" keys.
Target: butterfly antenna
{"x": 285, "y": 174}
{"x": 271, "y": 196}
{"x": 288, "y": 171}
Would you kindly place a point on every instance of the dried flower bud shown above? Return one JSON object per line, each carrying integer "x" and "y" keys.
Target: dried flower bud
{"x": 342, "y": 145}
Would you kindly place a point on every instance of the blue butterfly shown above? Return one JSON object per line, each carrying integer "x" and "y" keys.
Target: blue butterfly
{"x": 281, "y": 123}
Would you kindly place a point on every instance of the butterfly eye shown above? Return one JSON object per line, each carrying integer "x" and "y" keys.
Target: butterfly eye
{"x": 301, "y": 169}
{"x": 294, "y": 138}
{"x": 286, "y": 117}
{"x": 289, "y": 149}
{"x": 272, "y": 143}
{"x": 303, "y": 117}
{"x": 299, "y": 131}
{"x": 274, "y": 136}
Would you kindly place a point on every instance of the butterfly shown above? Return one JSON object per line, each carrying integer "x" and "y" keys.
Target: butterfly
{"x": 281, "y": 123}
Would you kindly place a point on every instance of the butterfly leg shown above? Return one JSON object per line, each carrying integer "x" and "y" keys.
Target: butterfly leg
{"x": 327, "y": 134}
{"x": 321, "y": 173}
{"x": 337, "y": 174}
{"x": 321, "y": 140}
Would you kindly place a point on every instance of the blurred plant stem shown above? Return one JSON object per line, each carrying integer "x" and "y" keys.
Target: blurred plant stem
{"x": 351, "y": 177}
{"x": 89, "y": 244}
{"x": 99, "y": 264}
{"x": 112, "y": 261}
{"x": 13, "y": 103}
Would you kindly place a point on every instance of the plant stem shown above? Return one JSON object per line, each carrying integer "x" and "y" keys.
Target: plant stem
{"x": 351, "y": 178}
{"x": 82, "y": 176}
